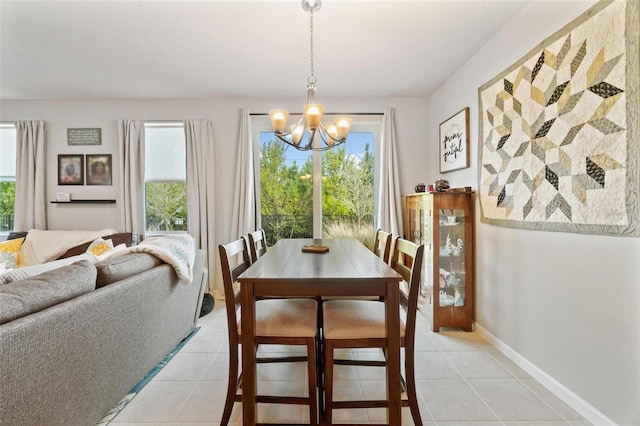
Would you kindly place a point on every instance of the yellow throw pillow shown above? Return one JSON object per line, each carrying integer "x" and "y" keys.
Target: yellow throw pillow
{"x": 99, "y": 246}
{"x": 9, "y": 252}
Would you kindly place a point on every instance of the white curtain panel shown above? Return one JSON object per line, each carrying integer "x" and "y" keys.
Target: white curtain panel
{"x": 201, "y": 190}
{"x": 244, "y": 204}
{"x": 389, "y": 208}
{"x": 30, "y": 201}
{"x": 131, "y": 148}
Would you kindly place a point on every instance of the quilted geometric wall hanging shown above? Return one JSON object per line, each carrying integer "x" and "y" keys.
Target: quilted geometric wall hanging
{"x": 559, "y": 130}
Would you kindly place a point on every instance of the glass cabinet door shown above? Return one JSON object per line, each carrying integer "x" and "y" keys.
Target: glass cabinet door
{"x": 418, "y": 230}
{"x": 451, "y": 283}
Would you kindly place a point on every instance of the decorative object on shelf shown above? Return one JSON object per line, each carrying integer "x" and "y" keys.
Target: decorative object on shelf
{"x": 63, "y": 197}
{"x": 98, "y": 169}
{"x": 441, "y": 185}
{"x": 331, "y": 135}
{"x": 559, "y": 136}
{"x": 88, "y": 136}
{"x": 420, "y": 187}
{"x": 454, "y": 142}
{"x": 70, "y": 169}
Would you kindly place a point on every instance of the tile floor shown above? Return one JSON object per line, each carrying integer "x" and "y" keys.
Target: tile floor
{"x": 461, "y": 380}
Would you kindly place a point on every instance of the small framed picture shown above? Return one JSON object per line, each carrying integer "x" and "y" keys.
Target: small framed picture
{"x": 99, "y": 169}
{"x": 71, "y": 169}
{"x": 454, "y": 142}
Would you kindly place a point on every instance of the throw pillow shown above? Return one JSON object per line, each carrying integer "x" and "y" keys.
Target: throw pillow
{"x": 9, "y": 252}
{"x": 119, "y": 238}
{"x": 99, "y": 246}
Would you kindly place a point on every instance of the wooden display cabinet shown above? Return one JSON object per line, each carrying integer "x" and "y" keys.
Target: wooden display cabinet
{"x": 443, "y": 222}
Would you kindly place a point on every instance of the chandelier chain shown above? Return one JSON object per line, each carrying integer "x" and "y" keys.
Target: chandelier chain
{"x": 312, "y": 78}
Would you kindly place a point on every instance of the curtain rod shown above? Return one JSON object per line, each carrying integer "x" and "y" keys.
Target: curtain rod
{"x": 326, "y": 113}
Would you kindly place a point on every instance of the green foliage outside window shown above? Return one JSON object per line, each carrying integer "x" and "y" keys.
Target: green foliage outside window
{"x": 286, "y": 194}
{"x": 7, "y": 201}
{"x": 166, "y": 206}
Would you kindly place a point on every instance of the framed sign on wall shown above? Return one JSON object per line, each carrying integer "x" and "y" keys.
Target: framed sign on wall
{"x": 454, "y": 142}
{"x": 84, "y": 136}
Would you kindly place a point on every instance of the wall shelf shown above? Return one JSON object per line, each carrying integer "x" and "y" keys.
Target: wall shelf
{"x": 85, "y": 202}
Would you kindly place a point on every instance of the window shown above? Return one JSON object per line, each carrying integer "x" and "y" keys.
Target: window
{"x": 8, "y": 144}
{"x": 165, "y": 178}
{"x": 328, "y": 194}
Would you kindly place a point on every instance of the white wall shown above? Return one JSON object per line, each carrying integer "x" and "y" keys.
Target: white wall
{"x": 567, "y": 303}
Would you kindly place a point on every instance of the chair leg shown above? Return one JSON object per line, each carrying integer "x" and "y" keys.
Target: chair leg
{"x": 410, "y": 378}
{"x": 313, "y": 384}
{"x": 320, "y": 378}
{"x": 232, "y": 387}
{"x": 328, "y": 382}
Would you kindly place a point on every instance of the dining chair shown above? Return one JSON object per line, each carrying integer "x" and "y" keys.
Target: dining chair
{"x": 278, "y": 321}
{"x": 382, "y": 245}
{"x": 361, "y": 324}
{"x": 257, "y": 244}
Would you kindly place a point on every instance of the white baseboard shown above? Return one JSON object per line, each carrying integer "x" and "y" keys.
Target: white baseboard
{"x": 574, "y": 401}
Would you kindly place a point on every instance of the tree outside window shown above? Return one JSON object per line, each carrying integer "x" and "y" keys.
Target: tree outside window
{"x": 347, "y": 190}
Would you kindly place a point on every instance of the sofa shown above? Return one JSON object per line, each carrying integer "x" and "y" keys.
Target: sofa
{"x": 76, "y": 339}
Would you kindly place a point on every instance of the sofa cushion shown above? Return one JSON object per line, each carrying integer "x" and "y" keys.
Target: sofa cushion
{"x": 116, "y": 239}
{"x": 25, "y": 297}
{"x": 117, "y": 268}
{"x": 33, "y": 270}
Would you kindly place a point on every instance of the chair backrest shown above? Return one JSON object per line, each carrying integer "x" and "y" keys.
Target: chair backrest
{"x": 234, "y": 260}
{"x": 257, "y": 244}
{"x": 407, "y": 261}
{"x": 382, "y": 245}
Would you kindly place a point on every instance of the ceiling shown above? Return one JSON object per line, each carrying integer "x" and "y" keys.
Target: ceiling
{"x": 238, "y": 48}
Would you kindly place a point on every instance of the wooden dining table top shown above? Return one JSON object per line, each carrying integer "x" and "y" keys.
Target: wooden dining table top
{"x": 346, "y": 260}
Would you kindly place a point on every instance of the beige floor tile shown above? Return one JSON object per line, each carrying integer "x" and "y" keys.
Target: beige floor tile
{"x": 218, "y": 370}
{"x": 511, "y": 400}
{"x": 207, "y": 341}
{"x": 434, "y": 365}
{"x": 454, "y": 400}
{"x": 477, "y": 365}
{"x": 204, "y": 405}
{"x": 185, "y": 366}
{"x": 556, "y": 403}
{"x": 157, "y": 402}
{"x": 508, "y": 364}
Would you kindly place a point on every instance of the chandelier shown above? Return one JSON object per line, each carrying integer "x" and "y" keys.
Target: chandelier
{"x": 310, "y": 122}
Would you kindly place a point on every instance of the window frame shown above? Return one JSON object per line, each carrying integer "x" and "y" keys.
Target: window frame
{"x": 10, "y": 125}
{"x": 362, "y": 122}
{"x": 159, "y": 125}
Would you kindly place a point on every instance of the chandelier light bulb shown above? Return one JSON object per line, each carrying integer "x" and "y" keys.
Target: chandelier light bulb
{"x": 278, "y": 119}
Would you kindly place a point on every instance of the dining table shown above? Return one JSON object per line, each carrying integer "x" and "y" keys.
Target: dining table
{"x": 305, "y": 267}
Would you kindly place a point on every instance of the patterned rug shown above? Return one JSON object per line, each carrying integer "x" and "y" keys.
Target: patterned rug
{"x": 142, "y": 383}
